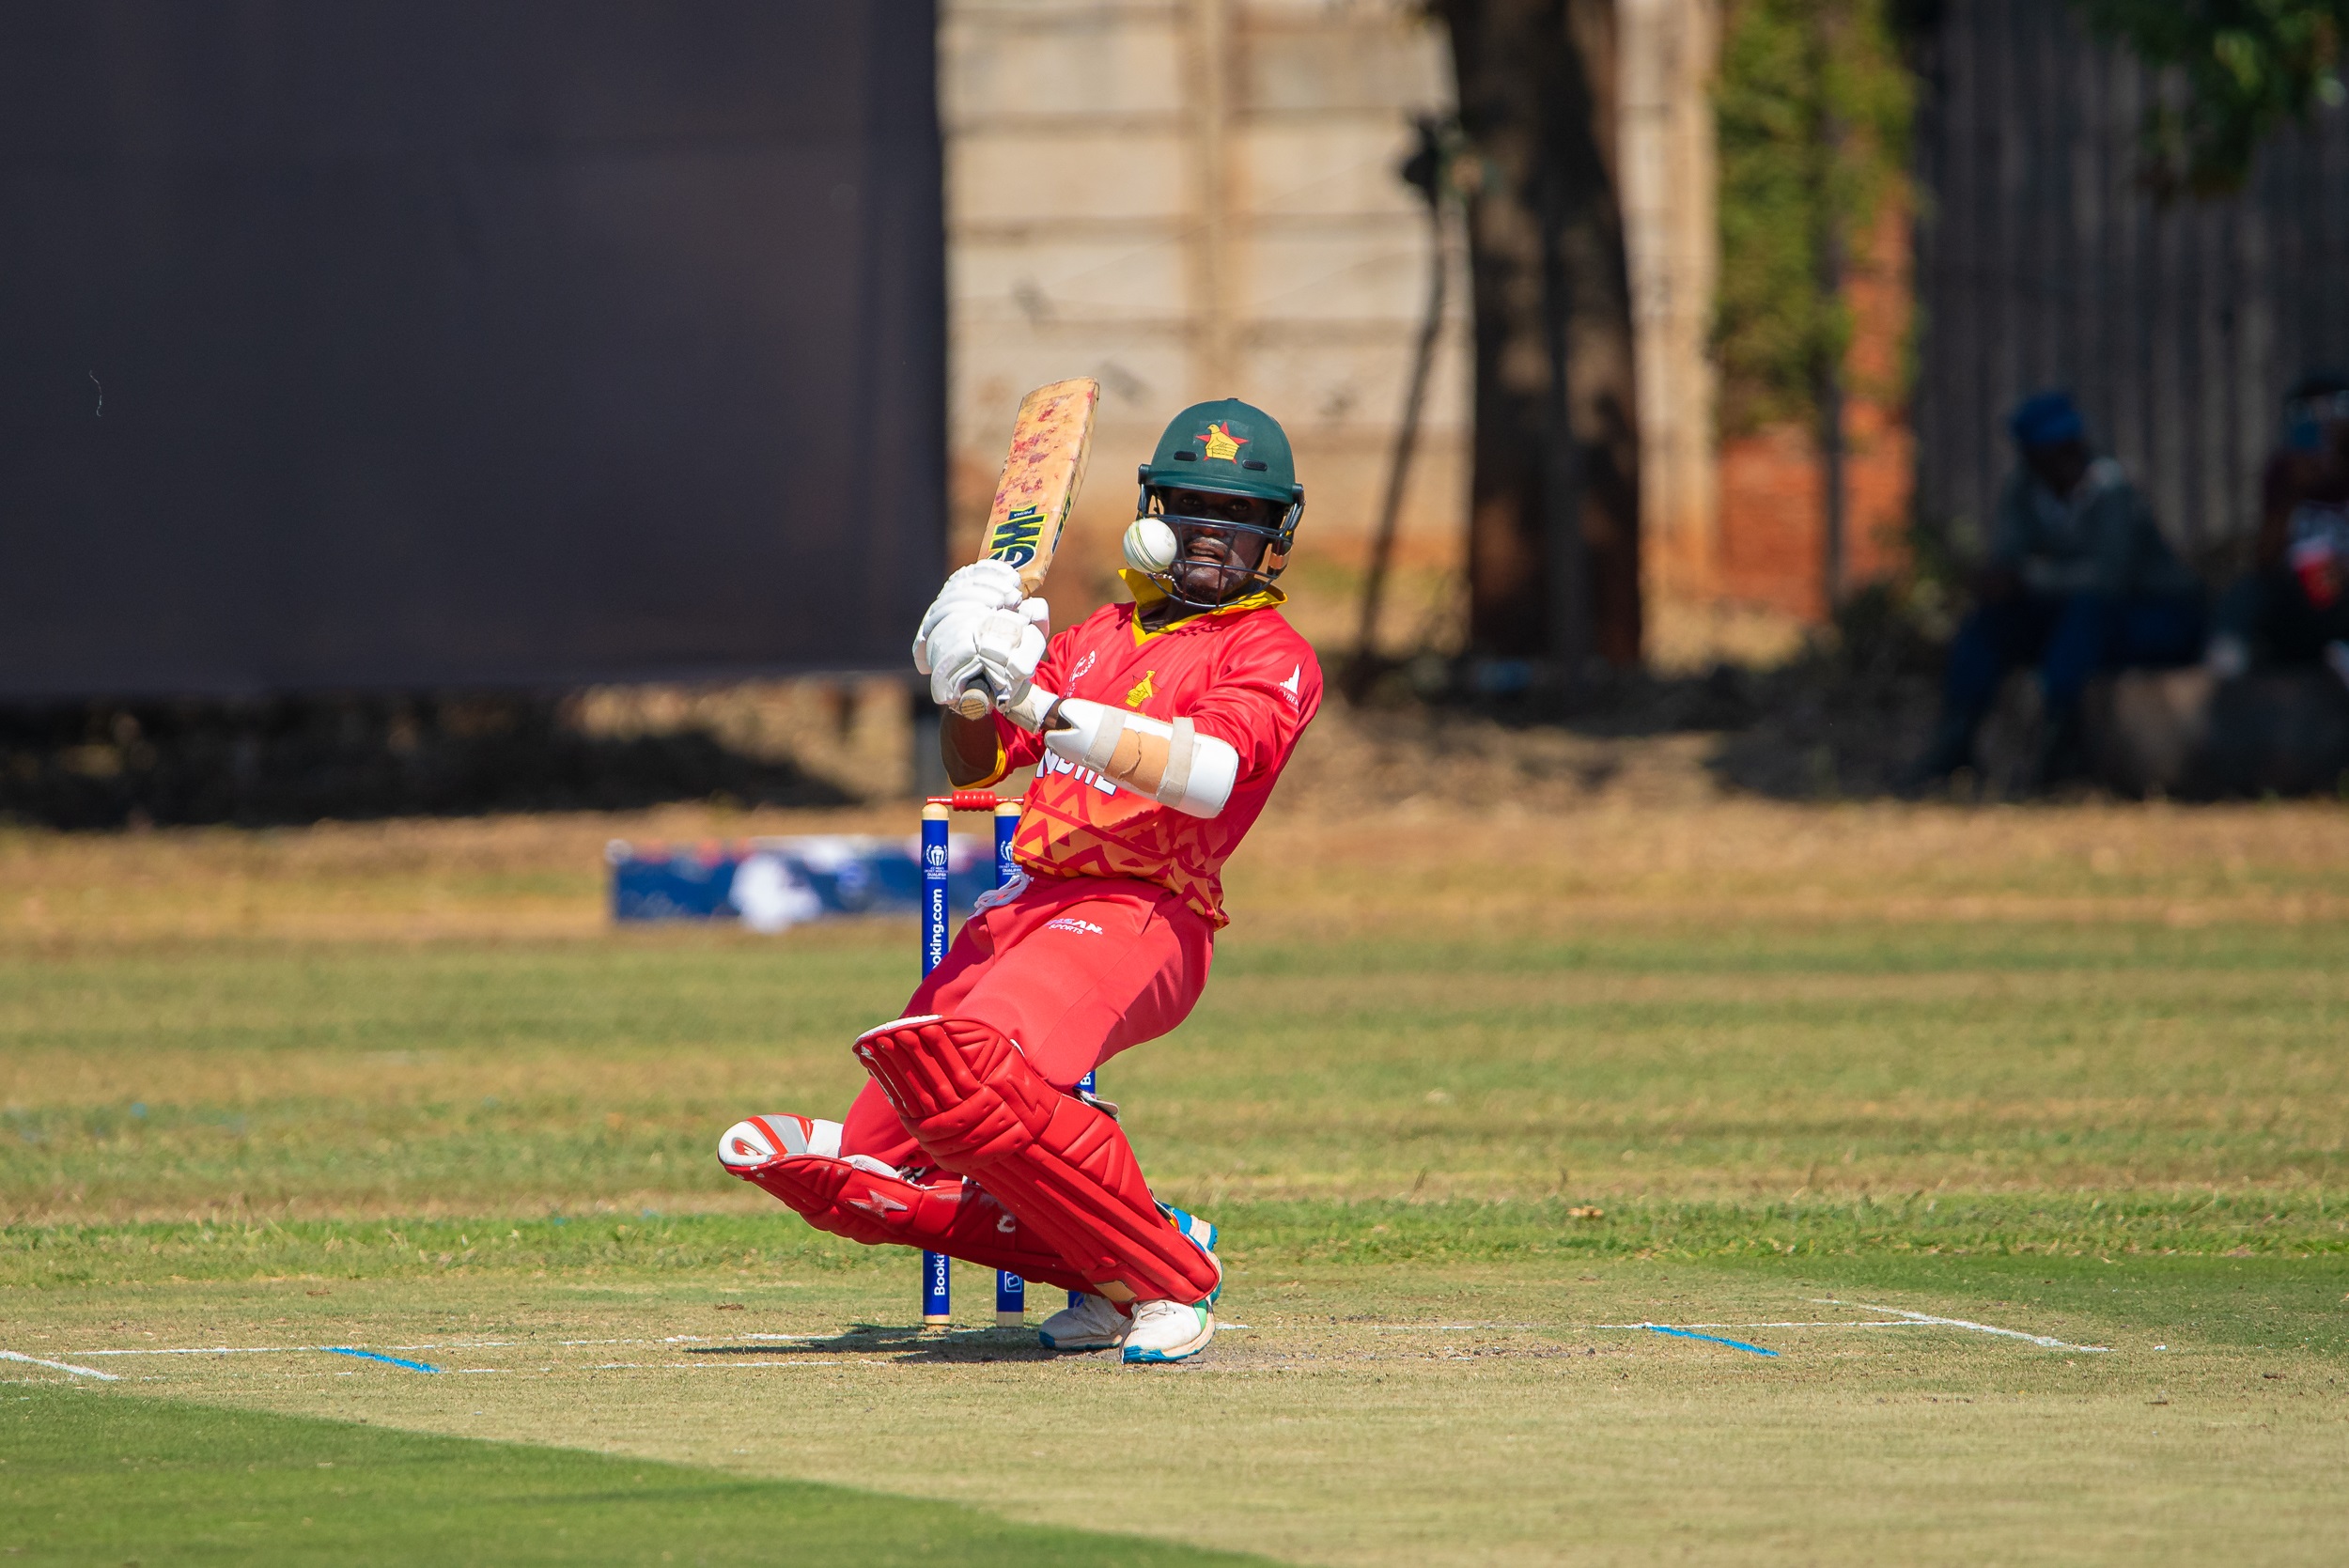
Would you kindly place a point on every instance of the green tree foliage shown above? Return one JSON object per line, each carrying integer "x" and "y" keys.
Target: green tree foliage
{"x": 1812, "y": 112}
{"x": 2247, "y": 68}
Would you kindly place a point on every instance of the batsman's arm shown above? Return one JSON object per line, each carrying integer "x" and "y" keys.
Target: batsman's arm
{"x": 973, "y": 750}
{"x": 1172, "y": 763}
{"x": 982, "y": 752}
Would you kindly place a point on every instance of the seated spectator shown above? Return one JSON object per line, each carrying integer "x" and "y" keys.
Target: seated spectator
{"x": 2293, "y": 607}
{"x": 2079, "y": 580}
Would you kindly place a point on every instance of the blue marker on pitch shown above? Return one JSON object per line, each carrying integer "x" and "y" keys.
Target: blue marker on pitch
{"x": 1710, "y": 1339}
{"x": 377, "y": 1355}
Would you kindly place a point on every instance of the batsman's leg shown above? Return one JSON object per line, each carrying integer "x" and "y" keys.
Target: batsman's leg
{"x": 1064, "y": 1167}
{"x": 797, "y": 1159}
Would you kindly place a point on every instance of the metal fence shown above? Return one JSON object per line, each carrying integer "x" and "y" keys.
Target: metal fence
{"x": 2043, "y": 260}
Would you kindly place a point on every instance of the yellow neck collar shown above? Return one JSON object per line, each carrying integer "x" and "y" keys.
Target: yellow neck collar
{"x": 1148, "y": 593}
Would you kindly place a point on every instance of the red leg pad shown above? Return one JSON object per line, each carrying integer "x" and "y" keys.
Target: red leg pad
{"x": 976, "y": 1107}
{"x": 950, "y": 1216}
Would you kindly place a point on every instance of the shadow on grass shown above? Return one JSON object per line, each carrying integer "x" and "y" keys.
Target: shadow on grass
{"x": 108, "y": 1477}
{"x": 296, "y": 760}
{"x": 932, "y": 1346}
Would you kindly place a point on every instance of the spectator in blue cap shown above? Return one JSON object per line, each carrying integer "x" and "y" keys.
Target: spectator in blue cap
{"x": 2049, "y": 423}
{"x": 2079, "y": 580}
{"x": 2293, "y": 607}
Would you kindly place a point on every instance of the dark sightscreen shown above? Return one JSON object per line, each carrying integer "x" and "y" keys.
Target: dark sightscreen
{"x": 465, "y": 343}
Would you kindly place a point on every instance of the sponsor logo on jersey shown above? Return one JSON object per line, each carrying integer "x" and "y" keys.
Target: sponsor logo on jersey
{"x": 1291, "y": 686}
{"x": 1222, "y": 444}
{"x": 1083, "y": 665}
{"x": 1067, "y": 922}
{"x": 1143, "y": 690}
{"x": 1052, "y": 762}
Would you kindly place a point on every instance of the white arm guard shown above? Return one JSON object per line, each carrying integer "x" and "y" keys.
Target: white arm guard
{"x": 1173, "y": 764}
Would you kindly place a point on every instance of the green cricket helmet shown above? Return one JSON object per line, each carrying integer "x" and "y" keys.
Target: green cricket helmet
{"x": 1226, "y": 447}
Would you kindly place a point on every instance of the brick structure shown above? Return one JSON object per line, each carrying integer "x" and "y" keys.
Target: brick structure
{"x": 1770, "y": 552}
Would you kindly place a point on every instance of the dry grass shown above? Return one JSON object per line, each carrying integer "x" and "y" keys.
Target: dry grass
{"x": 2058, "y": 1069}
{"x": 1343, "y": 1424}
{"x": 1469, "y": 827}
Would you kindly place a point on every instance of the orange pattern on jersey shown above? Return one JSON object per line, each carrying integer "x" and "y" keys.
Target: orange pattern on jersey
{"x": 1074, "y": 823}
{"x": 1071, "y": 829}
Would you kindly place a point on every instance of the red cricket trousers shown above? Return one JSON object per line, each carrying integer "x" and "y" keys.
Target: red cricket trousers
{"x": 1073, "y": 970}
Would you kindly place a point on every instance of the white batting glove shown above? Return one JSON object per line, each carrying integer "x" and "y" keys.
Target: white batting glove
{"x": 1009, "y": 645}
{"x": 950, "y": 655}
{"x": 999, "y": 648}
{"x": 977, "y": 588}
{"x": 1029, "y": 711}
{"x": 1002, "y": 646}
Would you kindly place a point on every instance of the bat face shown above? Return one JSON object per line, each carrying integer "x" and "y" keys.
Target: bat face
{"x": 1050, "y": 441}
{"x": 1020, "y": 537}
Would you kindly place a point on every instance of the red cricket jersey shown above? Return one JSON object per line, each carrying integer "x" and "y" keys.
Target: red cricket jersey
{"x": 1240, "y": 674}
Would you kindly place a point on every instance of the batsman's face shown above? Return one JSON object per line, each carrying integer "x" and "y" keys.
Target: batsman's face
{"x": 1213, "y": 562}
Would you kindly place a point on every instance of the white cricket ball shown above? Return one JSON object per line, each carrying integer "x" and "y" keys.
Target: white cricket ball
{"x": 1150, "y": 545}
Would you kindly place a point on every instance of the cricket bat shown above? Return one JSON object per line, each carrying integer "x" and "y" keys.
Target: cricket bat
{"x": 1050, "y": 441}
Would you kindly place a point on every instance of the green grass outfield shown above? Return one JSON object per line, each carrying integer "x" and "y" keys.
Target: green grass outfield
{"x": 1462, "y": 1155}
{"x": 1740, "y": 1064}
{"x": 91, "y": 1477}
{"x": 1403, "y": 1383}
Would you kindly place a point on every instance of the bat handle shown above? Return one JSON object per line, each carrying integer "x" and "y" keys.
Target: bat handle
{"x": 976, "y": 700}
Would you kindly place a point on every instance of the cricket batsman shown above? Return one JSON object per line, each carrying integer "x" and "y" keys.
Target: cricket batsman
{"x": 1157, "y": 730}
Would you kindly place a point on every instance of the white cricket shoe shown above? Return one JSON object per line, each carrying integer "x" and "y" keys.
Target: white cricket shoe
{"x": 1095, "y": 1322}
{"x": 1167, "y": 1331}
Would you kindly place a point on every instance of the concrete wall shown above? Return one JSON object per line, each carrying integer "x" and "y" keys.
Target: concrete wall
{"x": 1200, "y": 198}
{"x": 1190, "y": 201}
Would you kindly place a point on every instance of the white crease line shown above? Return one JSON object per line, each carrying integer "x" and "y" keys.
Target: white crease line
{"x": 720, "y": 1366}
{"x": 1593, "y": 1327}
{"x": 575, "y": 1343}
{"x": 294, "y": 1349}
{"x": 204, "y": 1350}
{"x": 689, "y": 1364}
{"x": 2041, "y": 1340}
{"x": 59, "y": 1366}
{"x": 1844, "y": 1322}
{"x": 453, "y": 1345}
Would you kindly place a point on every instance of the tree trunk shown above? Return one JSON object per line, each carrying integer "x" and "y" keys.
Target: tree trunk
{"x": 1554, "y": 521}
